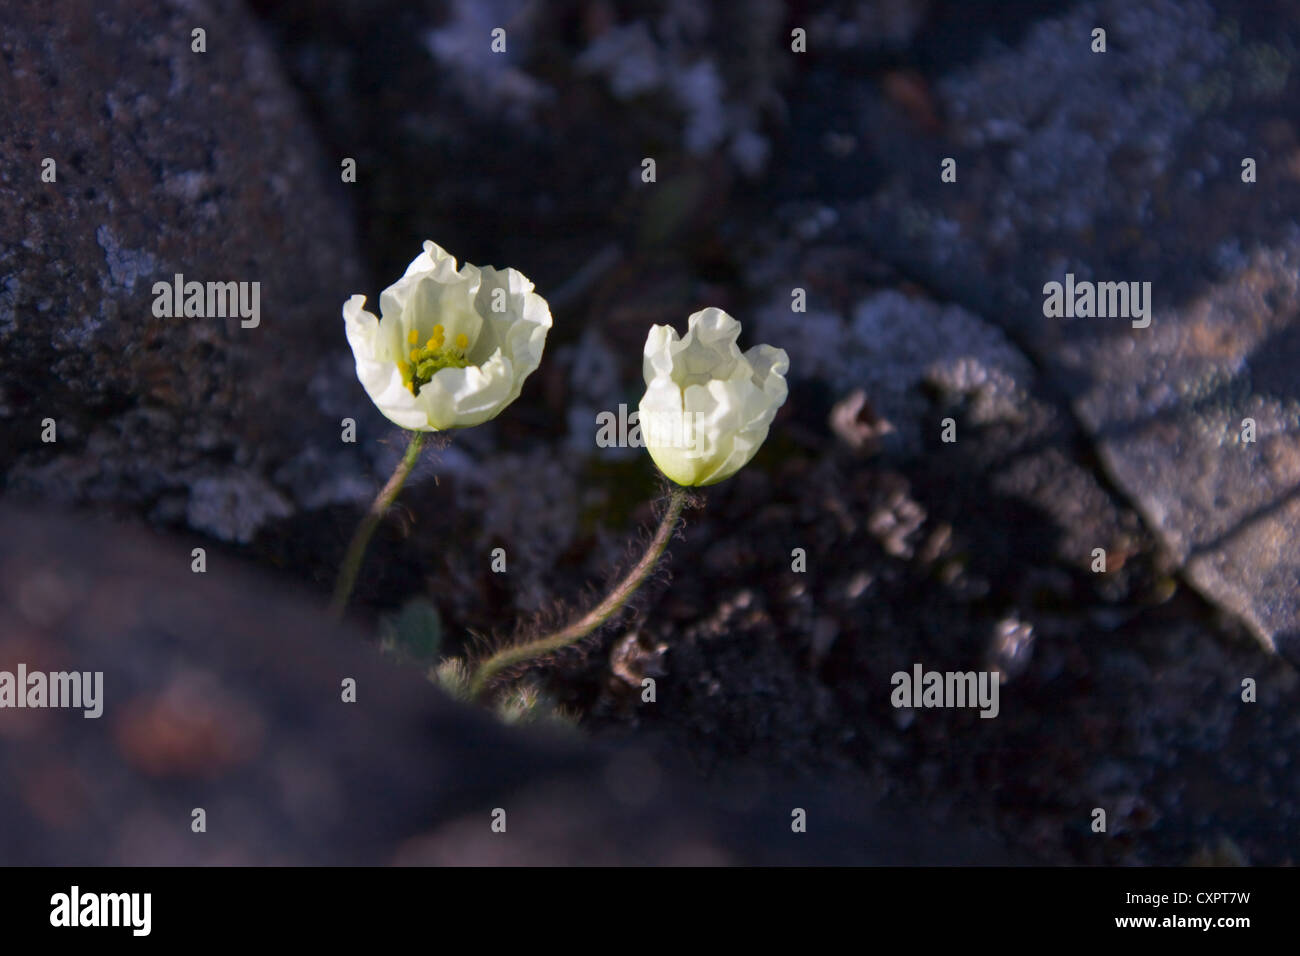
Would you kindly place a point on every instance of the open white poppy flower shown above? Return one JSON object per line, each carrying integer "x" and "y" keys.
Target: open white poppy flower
{"x": 453, "y": 347}
{"x": 707, "y": 407}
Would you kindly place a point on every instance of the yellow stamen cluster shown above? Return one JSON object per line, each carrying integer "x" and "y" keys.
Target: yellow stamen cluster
{"x": 426, "y": 360}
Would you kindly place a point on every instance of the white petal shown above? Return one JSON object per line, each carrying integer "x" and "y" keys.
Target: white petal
{"x": 519, "y": 332}
{"x": 661, "y": 419}
{"x": 462, "y": 397}
{"x": 362, "y": 327}
{"x": 658, "y": 353}
{"x": 378, "y": 375}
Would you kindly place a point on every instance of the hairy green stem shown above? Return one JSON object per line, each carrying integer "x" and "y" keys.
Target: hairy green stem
{"x": 357, "y": 547}
{"x": 508, "y": 657}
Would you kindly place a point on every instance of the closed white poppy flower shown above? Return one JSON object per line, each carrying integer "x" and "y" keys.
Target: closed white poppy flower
{"x": 453, "y": 347}
{"x": 707, "y": 407}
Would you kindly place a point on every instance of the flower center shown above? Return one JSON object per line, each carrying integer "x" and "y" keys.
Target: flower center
{"x": 424, "y": 361}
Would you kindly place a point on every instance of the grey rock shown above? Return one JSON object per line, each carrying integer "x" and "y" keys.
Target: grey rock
{"x": 1170, "y": 416}
{"x": 185, "y": 419}
{"x": 1126, "y": 166}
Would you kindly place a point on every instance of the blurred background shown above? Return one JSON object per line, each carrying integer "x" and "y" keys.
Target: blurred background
{"x": 781, "y": 177}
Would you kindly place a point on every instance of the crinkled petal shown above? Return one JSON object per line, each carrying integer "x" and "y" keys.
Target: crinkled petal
{"x": 463, "y": 397}
{"x": 519, "y": 332}
{"x": 434, "y": 259}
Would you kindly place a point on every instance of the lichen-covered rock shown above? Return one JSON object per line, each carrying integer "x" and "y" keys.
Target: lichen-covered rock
{"x": 1127, "y": 166}
{"x": 894, "y": 347}
{"x": 166, "y": 161}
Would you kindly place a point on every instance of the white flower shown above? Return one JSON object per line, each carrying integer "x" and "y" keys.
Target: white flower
{"x": 453, "y": 347}
{"x": 707, "y": 407}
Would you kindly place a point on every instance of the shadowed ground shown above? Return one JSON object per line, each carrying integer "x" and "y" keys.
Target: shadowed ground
{"x": 222, "y": 691}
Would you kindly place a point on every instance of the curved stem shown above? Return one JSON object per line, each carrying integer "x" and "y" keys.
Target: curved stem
{"x": 519, "y": 653}
{"x": 361, "y": 538}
